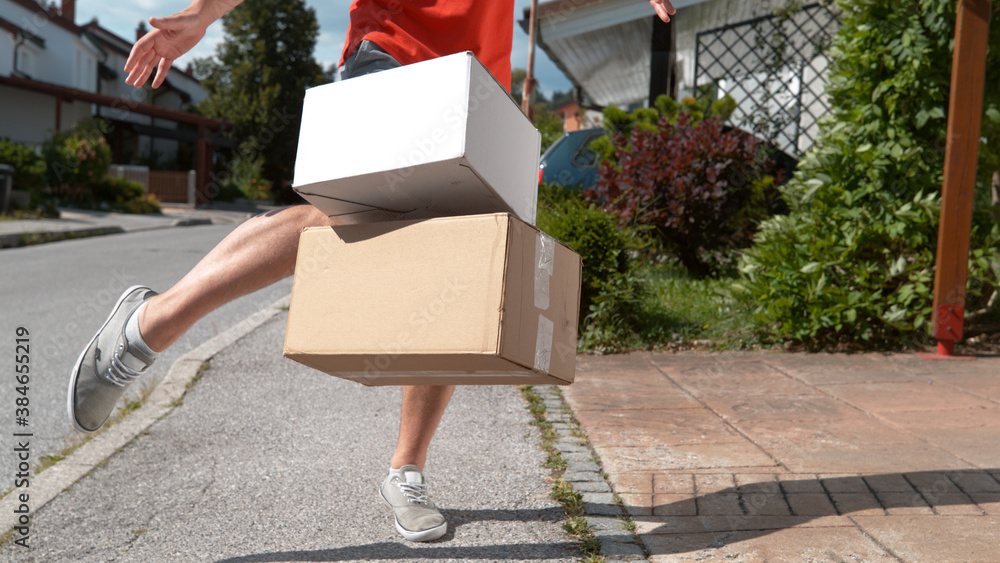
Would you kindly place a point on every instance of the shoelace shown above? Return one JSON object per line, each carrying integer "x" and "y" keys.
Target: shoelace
{"x": 119, "y": 373}
{"x": 414, "y": 492}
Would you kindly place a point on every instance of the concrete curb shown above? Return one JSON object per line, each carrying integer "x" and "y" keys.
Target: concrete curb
{"x": 603, "y": 514}
{"x": 49, "y": 483}
{"x": 29, "y": 238}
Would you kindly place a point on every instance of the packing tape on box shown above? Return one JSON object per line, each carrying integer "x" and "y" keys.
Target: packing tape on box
{"x": 545, "y": 251}
{"x": 543, "y": 344}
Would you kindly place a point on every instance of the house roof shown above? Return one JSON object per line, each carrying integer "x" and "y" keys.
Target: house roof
{"x": 70, "y": 94}
{"x": 17, "y": 30}
{"x": 602, "y": 46}
{"x": 53, "y": 17}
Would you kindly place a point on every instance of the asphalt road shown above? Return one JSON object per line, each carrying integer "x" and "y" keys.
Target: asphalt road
{"x": 267, "y": 460}
{"x": 62, "y": 292}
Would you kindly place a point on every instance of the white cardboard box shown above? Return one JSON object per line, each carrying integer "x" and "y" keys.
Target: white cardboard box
{"x": 470, "y": 300}
{"x": 436, "y": 138}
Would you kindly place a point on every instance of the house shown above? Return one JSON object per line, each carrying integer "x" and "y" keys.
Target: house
{"x": 575, "y": 118}
{"x": 618, "y": 52}
{"x": 54, "y": 73}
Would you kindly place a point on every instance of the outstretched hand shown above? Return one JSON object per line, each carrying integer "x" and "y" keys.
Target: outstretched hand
{"x": 170, "y": 38}
{"x": 663, "y": 8}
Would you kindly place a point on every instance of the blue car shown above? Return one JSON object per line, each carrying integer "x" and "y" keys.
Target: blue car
{"x": 569, "y": 161}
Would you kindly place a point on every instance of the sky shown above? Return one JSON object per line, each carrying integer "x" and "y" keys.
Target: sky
{"x": 122, "y": 18}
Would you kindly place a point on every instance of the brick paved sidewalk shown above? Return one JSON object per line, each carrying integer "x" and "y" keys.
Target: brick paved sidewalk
{"x": 794, "y": 457}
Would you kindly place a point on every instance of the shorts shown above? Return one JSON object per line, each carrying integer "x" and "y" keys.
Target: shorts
{"x": 367, "y": 58}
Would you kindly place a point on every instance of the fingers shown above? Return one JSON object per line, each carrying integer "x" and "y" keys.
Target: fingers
{"x": 141, "y": 68}
{"x": 139, "y": 51}
{"x": 161, "y": 72}
{"x": 664, "y": 9}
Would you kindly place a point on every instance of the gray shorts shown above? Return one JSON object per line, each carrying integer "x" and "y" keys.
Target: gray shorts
{"x": 366, "y": 59}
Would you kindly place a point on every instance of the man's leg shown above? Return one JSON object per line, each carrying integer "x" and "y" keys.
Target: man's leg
{"x": 417, "y": 518}
{"x": 423, "y": 406}
{"x": 258, "y": 253}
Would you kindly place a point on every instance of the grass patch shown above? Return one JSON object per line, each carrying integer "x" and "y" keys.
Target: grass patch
{"x": 678, "y": 310}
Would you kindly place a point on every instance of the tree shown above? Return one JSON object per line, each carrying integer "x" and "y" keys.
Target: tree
{"x": 258, "y": 77}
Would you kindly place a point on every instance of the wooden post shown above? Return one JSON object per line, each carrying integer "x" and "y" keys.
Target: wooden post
{"x": 965, "y": 108}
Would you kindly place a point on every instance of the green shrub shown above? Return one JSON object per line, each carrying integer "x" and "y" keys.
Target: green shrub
{"x": 29, "y": 168}
{"x": 78, "y": 157}
{"x": 123, "y": 195}
{"x": 611, "y": 288}
{"x": 852, "y": 264}
{"x": 700, "y": 188}
{"x": 240, "y": 176}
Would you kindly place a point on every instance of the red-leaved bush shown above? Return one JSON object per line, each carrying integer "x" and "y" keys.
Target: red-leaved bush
{"x": 702, "y": 189}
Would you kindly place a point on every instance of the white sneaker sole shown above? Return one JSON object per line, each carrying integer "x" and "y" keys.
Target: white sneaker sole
{"x": 79, "y": 361}
{"x": 426, "y": 535}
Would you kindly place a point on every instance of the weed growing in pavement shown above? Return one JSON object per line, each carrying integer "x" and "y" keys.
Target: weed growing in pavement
{"x": 562, "y": 490}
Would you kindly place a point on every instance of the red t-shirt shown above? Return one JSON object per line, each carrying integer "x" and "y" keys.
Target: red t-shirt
{"x": 417, "y": 30}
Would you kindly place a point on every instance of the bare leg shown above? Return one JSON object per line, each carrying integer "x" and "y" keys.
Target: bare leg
{"x": 258, "y": 253}
{"x": 423, "y": 406}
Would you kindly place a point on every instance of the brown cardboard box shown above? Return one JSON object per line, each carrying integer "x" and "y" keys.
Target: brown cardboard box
{"x": 480, "y": 299}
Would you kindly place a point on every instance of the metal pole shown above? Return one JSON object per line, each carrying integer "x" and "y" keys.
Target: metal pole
{"x": 965, "y": 107}
{"x": 529, "y": 78}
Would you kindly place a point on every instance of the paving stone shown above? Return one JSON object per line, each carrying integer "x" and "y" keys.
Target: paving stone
{"x": 765, "y": 505}
{"x": 712, "y": 483}
{"x": 605, "y": 523}
{"x": 811, "y": 504}
{"x": 936, "y": 538}
{"x": 577, "y": 456}
{"x": 719, "y": 504}
{"x": 889, "y": 483}
{"x": 579, "y": 466}
{"x": 989, "y": 502}
{"x": 856, "y": 503}
{"x": 844, "y": 484}
{"x": 636, "y": 504}
{"x": 618, "y": 549}
{"x": 932, "y": 483}
{"x": 898, "y": 504}
{"x": 569, "y": 447}
{"x": 979, "y": 481}
{"x": 790, "y": 544}
{"x": 674, "y": 504}
{"x": 673, "y": 483}
{"x": 592, "y": 487}
{"x": 905, "y": 396}
{"x": 951, "y": 504}
{"x": 801, "y": 483}
{"x": 602, "y": 509}
{"x": 601, "y": 504}
{"x": 732, "y": 523}
{"x": 575, "y": 476}
{"x": 614, "y": 534}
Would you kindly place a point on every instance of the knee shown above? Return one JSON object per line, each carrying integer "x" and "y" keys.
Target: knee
{"x": 297, "y": 216}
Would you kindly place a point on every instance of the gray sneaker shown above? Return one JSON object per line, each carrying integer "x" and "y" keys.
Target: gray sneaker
{"x": 106, "y": 366}
{"x": 417, "y": 519}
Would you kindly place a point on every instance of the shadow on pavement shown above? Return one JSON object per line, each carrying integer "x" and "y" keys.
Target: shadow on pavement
{"x": 438, "y": 549}
{"x": 753, "y": 510}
